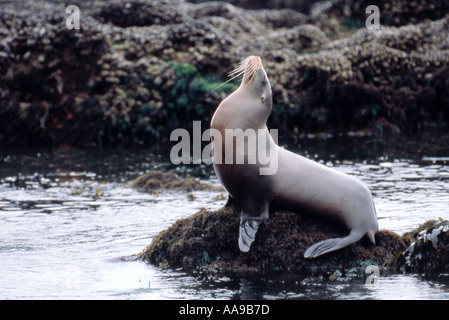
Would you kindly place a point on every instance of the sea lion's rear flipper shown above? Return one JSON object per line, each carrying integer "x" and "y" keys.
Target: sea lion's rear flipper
{"x": 329, "y": 245}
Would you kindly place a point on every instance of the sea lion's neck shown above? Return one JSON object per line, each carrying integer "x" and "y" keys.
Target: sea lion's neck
{"x": 261, "y": 102}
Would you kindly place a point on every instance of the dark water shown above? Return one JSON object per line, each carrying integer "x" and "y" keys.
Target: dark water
{"x": 70, "y": 225}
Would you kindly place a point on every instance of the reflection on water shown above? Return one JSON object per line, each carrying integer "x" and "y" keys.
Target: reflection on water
{"x": 70, "y": 225}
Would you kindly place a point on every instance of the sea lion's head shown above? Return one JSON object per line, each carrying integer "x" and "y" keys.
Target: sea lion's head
{"x": 255, "y": 79}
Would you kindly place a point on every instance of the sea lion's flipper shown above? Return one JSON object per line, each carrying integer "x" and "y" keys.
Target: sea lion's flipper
{"x": 252, "y": 214}
{"x": 248, "y": 229}
{"x": 247, "y": 233}
{"x": 329, "y": 245}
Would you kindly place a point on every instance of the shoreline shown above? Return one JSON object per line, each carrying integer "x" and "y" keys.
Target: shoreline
{"x": 130, "y": 77}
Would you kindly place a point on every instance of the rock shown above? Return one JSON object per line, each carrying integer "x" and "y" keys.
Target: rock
{"x": 45, "y": 67}
{"x": 392, "y": 12}
{"x": 199, "y": 44}
{"x": 378, "y": 73}
{"x": 303, "y": 6}
{"x": 140, "y": 13}
{"x": 428, "y": 254}
{"x": 156, "y": 181}
{"x": 279, "y": 246}
{"x": 136, "y": 70}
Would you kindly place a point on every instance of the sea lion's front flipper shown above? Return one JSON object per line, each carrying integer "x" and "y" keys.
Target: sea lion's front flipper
{"x": 329, "y": 245}
{"x": 248, "y": 229}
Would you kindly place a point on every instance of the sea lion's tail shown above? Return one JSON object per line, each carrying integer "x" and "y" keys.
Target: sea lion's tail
{"x": 329, "y": 245}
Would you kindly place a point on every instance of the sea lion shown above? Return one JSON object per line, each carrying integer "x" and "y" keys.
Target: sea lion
{"x": 298, "y": 183}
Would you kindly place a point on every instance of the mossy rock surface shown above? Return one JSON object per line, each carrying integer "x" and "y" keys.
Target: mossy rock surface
{"x": 208, "y": 240}
{"x": 138, "y": 69}
{"x": 429, "y": 252}
{"x": 155, "y": 181}
{"x": 200, "y": 239}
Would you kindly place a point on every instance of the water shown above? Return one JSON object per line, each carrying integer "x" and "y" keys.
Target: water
{"x": 71, "y": 226}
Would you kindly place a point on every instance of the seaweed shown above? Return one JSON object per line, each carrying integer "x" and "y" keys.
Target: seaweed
{"x": 155, "y": 181}
{"x": 208, "y": 241}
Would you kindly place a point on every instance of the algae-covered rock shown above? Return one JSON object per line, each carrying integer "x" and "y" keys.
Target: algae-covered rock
{"x": 138, "y": 13}
{"x": 204, "y": 238}
{"x": 155, "y": 181}
{"x": 208, "y": 239}
{"x": 392, "y": 12}
{"x": 136, "y": 70}
{"x": 428, "y": 254}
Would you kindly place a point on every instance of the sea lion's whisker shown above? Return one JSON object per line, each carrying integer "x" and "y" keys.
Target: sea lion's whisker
{"x": 236, "y": 76}
{"x": 248, "y": 68}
